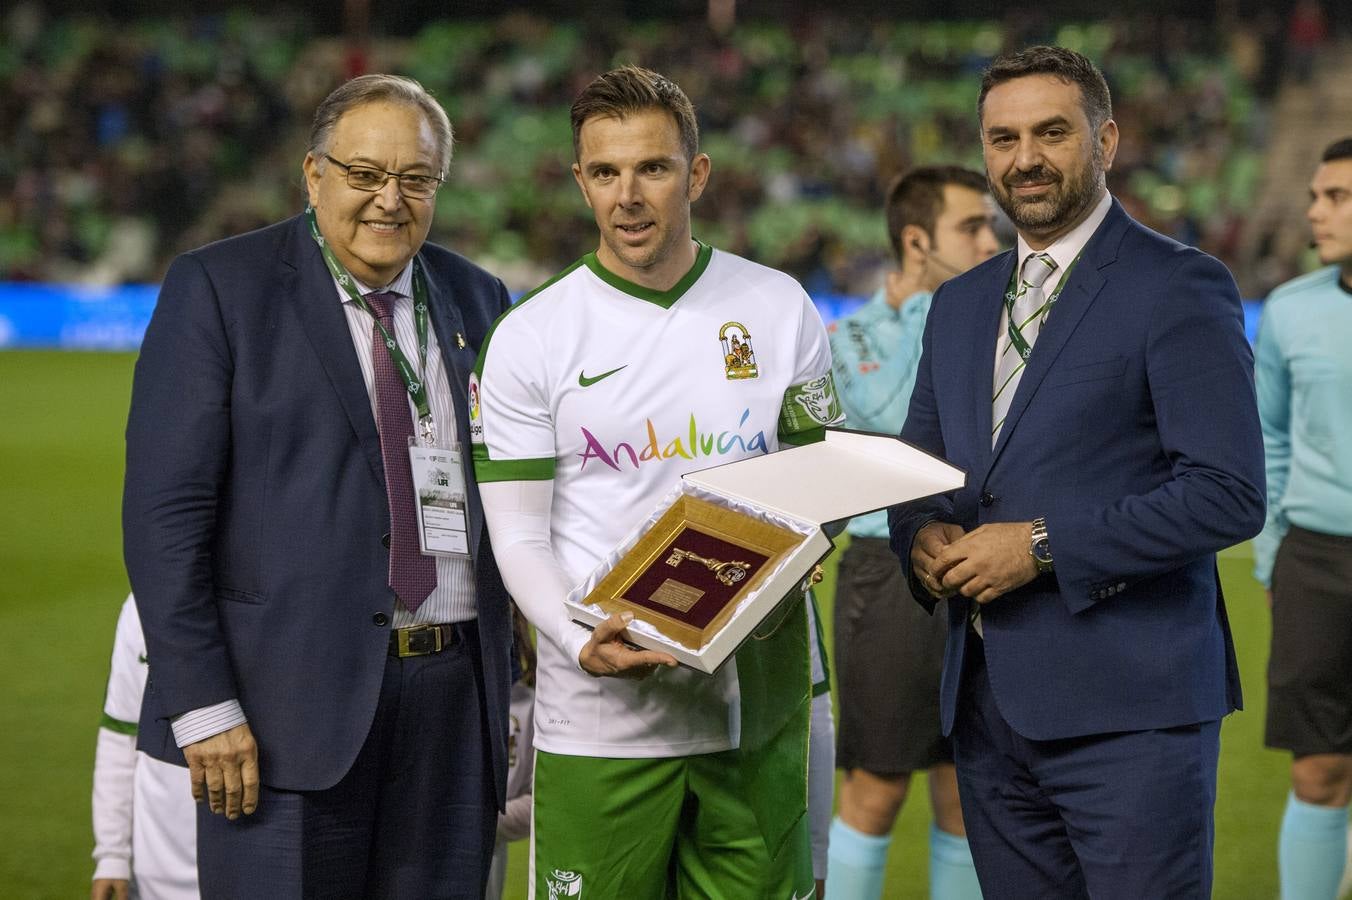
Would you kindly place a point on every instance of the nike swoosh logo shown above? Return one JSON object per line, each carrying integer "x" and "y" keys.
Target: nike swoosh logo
{"x": 584, "y": 381}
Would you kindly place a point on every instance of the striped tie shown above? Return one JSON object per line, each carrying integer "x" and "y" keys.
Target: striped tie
{"x": 1027, "y": 310}
{"x": 412, "y": 575}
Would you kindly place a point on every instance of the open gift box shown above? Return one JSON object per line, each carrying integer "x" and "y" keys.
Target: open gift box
{"x": 728, "y": 544}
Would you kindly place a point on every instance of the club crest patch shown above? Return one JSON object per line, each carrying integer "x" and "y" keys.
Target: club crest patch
{"x": 563, "y": 884}
{"x": 818, "y": 399}
{"x": 810, "y": 405}
{"x": 739, "y": 357}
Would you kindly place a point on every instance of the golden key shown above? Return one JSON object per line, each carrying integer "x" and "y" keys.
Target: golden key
{"x": 727, "y": 572}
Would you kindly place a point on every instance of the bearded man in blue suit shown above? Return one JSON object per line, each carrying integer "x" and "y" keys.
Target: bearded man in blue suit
{"x": 1097, "y": 387}
{"x": 338, "y": 694}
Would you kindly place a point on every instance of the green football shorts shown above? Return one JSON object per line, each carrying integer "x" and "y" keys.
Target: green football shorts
{"x": 674, "y": 828}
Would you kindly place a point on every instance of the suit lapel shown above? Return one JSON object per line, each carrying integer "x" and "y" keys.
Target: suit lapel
{"x": 449, "y": 326}
{"x": 1077, "y": 295}
{"x": 308, "y": 282}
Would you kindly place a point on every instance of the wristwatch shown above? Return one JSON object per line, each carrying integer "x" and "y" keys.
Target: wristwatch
{"x": 1039, "y": 548}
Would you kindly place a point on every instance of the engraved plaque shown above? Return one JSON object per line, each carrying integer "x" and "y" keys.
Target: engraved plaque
{"x": 679, "y": 597}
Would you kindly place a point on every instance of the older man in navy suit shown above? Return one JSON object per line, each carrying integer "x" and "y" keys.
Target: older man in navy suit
{"x": 332, "y": 664}
{"x": 1096, "y": 386}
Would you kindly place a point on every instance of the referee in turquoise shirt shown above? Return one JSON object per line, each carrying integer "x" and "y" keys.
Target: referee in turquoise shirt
{"x": 889, "y": 653}
{"x": 1304, "y": 553}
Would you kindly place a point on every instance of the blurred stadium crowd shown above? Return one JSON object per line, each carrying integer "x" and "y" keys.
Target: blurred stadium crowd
{"x": 127, "y": 143}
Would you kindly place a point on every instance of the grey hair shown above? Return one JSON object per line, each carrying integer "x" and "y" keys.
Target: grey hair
{"x": 375, "y": 88}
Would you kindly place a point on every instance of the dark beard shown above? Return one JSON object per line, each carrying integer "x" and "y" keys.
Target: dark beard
{"x": 1066, "y": 201}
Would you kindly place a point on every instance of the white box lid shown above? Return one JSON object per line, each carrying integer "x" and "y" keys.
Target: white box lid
{"x": 848, "y": 474}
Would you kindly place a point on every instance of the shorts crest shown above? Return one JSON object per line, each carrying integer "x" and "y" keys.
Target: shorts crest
{"x": 564, "y": 884}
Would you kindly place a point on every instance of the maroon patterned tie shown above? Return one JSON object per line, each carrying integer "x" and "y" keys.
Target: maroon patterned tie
{"x": 412, "y": 575}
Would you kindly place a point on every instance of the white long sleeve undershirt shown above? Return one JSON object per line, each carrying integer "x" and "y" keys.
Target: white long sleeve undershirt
{"x": 518, "y": 513}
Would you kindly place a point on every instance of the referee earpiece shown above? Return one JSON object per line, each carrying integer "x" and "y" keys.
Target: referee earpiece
{"x": 934, "y": 258}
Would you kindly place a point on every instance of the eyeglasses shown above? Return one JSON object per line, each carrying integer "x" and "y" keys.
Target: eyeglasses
{"x": 371, "y": 179}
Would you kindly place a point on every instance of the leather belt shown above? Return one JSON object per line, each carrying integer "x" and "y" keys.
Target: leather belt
{"x": 421, "y": 640}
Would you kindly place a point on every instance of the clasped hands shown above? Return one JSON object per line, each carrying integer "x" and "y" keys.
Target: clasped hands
{"x": 982, "y": 564}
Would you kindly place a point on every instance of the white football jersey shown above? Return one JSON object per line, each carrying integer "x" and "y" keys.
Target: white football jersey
{"x": 136, "y": 793}
{"x": 615, "y": 391}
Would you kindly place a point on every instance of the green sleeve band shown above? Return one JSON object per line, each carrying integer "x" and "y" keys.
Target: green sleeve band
{"x": 809, "y": 406}
{"x": 117, "y": 725}
{"x": 486, "y": 470}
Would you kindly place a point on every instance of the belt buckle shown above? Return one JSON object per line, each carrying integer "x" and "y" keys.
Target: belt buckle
{"x": 406, "y": 636}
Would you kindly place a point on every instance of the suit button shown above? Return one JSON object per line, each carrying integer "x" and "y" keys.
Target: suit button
{"x": 986, "y": 498}
{"x": 385, "y": 539}
{"x": 380, "y": 619}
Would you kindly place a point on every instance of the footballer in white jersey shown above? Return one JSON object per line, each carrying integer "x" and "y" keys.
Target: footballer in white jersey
{"x": 615, "y": 391}
{"x": 650, "y": 358}
{"x": 145, "y": 821}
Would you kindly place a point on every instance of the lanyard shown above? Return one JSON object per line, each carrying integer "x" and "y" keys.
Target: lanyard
{"x": 416, "y": 389}
{"x": 1016, "y": 337}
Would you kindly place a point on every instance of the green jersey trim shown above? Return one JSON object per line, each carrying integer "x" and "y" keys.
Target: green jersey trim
{"x": 803, "y": 438}
{"x": 663, "y": 299}
{"x": 486, "y": 470}
{"x": 117, "y": 725}
{"x": 483, "y": 348}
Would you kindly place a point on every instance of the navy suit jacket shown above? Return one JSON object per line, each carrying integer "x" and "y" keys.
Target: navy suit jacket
{"x": 1134, "y": 432}
{"x": 255, "y": 505}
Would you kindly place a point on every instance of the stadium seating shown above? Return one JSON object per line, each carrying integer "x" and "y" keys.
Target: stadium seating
{"x": 130, "y": 144}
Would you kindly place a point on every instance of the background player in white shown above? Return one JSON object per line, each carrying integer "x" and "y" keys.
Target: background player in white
{"x": 514, "y": 821}
{"x": 596, "y": 393}
{"x": 889, "y": 653}
{"x": 1304, "y": 553}
{"x": 145, "y": 822}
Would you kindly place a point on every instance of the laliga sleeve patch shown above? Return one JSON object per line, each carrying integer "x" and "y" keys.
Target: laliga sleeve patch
{"x": 810, "y": 405}
{"x": 476, "y": 422}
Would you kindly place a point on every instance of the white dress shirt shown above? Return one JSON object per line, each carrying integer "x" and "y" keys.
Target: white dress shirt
{"x": 1064, "y": 250}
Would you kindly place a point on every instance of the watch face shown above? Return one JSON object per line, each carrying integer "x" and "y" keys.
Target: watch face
{"x": 1043, "y": 551}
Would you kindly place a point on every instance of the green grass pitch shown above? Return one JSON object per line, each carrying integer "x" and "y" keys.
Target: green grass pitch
{"x": 61, "y": 582}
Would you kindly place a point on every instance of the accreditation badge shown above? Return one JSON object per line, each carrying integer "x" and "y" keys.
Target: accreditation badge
{"x": 439, "y": 494}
